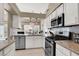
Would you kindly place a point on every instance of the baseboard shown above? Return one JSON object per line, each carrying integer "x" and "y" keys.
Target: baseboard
{"x": 35, "y": 48}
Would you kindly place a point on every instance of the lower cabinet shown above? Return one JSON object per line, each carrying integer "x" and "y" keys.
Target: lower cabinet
{"x": 1, "y": 53}
{"x": 34, "y": 41}
{"x": 8, "y": 51}
{"x": 61, "y": 51}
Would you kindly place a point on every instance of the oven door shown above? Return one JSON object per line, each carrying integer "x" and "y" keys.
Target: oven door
{"x": 49, "y": 48}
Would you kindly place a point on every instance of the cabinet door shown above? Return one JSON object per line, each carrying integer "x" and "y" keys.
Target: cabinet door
{"x": 34, "y": 42}
{"x": 12, "y": 50}
{"x": 54, "y": 13}
{"x": 60, "y": 10}
{"x": 16, "y": 21}
{"x": 17, "y": 42}
{"x": 63, "y": 50}
{"x": 1, "y": 53}
{"x": 48, "y": 22}
{"x": 43, "y": 41}
{"x": 29, "y": 42}
{"x": 38, "y": 42}
{"x": 59, "y": 53}
{"x": 71, "y": 13}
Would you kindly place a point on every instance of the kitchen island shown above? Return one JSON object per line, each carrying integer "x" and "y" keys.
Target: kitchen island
{"x": 31, "y": 40}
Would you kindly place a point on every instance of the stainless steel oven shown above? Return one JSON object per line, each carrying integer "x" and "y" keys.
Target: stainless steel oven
{"x": 50, "y": 47}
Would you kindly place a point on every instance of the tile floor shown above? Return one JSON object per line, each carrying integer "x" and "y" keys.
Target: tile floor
{"x": 30, "y": 52}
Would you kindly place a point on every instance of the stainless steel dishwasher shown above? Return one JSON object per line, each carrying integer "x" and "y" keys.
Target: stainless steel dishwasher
{"x": 20, "y": 41}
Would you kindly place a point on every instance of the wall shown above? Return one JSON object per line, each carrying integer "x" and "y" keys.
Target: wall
{"x": 74, "y": 29}
{"x": 1, "y": 12}
{"x": 10, "y": 22}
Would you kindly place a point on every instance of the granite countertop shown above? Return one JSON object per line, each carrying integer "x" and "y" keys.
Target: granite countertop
{"x": 27, "y": 35}
{"x": 5, "y": 43}
{"x": 70, "y": 45}
{"x": 34, "y": 35}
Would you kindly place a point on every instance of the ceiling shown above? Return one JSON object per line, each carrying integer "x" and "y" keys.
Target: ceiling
{"x": 33, "y": 7}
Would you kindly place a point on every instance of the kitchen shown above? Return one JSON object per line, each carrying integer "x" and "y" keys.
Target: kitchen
{"x": 52, "y": 30}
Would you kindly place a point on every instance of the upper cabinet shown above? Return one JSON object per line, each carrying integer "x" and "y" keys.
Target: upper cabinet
{"x": 57, "y": 12}
{"x": 60, "y": 10}
{"x": 48, "y": 22}
{"x": 54, "y": 14}
{"x": 16, "y": 21}
{"x": 71, "y": 14}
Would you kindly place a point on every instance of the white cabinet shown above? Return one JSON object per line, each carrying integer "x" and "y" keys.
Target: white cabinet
{"x": 16, "y": 21}
{"x": 8, "y": 51}
{"x": 60, "y": 10}
{"x": 1, "y": 53}
{"x": 29, "y": 42}
{"x": 43, "y": 41}
{"x": 54, "y": 14}
{"x": 61, "y": 51}
{"x": 71, "y": 13}
{"x": 38, "y": 42}
{"x": 34, "y": 42}
{"x": 48, "y": 22}
{"x": 57, "y": 12}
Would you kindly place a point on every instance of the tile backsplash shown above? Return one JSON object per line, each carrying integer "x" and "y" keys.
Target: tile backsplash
{"x": 74, "y": 29}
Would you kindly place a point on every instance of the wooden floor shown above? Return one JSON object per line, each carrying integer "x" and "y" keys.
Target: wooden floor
{"x": 30, "y": 52}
